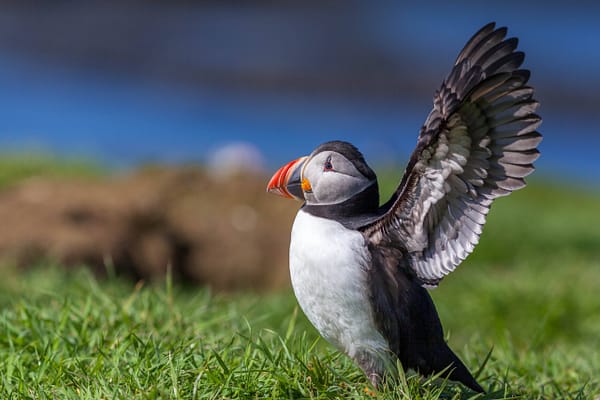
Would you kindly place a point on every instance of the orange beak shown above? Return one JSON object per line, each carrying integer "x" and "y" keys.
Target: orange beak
{"x": 286, "y": 182}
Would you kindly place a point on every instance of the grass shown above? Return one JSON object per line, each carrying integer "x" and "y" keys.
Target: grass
{"x": 529, "y": 292}
{"x": 15, "y": 168}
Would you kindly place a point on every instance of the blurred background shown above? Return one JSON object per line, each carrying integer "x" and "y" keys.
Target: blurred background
{"x": 138, "y": 135}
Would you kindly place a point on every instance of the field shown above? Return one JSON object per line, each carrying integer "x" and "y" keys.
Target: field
{"x": 528, "y": 296}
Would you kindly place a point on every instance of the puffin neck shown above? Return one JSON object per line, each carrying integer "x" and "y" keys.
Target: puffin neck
{"x": 363, "y": 203}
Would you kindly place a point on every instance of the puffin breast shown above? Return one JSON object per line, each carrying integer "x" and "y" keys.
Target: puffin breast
{"x": 328, "y": 266}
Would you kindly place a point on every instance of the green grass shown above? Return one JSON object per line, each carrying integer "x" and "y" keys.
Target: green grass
{"x": 15, "y": 168}
{"x": 529, "y": 292}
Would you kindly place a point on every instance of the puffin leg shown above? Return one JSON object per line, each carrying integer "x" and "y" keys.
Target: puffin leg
{"x": 372, "y": 364}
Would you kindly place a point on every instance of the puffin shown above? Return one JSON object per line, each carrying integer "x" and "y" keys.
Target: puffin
{"x": 361, "y": 271}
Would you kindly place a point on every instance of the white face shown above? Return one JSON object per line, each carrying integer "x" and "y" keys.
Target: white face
{"x": 330, "y": 178}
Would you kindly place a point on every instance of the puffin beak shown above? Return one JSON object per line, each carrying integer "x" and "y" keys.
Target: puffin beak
{"x": 286, "y": 181}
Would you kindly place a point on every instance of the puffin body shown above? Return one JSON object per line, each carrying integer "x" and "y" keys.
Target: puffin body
{"x": 328, "y": 268}
{"x": 360, "y": 270}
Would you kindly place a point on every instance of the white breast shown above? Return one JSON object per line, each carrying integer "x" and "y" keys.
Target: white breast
{"x": 328, "y": 266}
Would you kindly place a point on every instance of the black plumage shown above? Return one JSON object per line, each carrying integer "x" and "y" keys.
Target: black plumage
{"x": 407, "y": 318}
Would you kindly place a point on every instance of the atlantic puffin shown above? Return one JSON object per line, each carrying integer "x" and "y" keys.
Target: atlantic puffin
{"x": 360, "y": 271}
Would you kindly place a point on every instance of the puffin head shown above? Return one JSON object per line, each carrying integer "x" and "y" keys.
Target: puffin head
{"x": 334, "y": 174}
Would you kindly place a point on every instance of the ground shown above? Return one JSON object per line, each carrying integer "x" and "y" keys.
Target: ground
{"x": 527, "y": 296}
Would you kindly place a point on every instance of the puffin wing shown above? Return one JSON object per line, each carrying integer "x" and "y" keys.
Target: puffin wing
{"x": 477, "y": 144}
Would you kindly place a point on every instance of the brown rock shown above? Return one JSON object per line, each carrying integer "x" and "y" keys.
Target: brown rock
{"x": 223, "y": 232}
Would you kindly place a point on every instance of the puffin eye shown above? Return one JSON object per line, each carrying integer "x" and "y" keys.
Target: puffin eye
{"x": 328, "y": 166}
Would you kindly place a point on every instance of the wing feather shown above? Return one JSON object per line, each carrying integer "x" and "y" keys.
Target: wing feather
{"x": 477, "y": 144}
{"x": 477, "y": 38}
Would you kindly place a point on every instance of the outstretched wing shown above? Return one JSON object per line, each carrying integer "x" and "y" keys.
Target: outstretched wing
{"x": 477, "y": 144}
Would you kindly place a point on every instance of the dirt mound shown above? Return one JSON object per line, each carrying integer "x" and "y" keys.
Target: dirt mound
{"x": 223, "y": 232}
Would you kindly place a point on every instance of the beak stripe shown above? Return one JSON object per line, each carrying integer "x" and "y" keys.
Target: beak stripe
{"x": 278, "y": 183}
